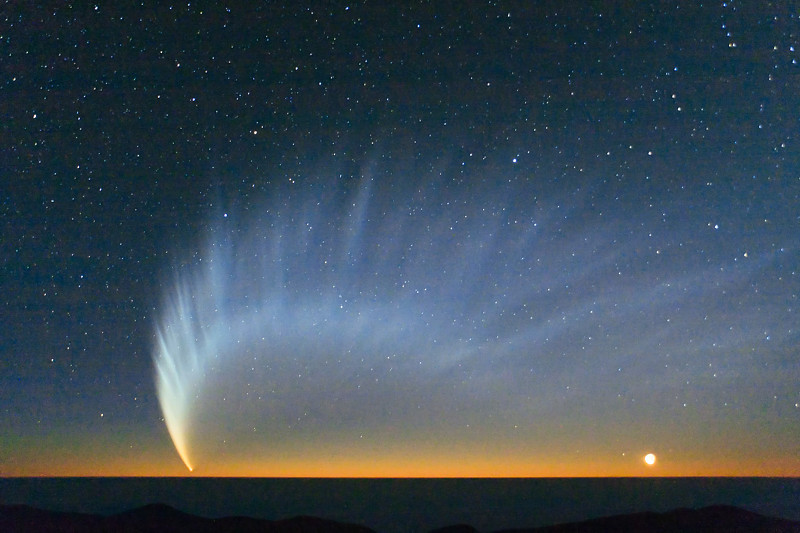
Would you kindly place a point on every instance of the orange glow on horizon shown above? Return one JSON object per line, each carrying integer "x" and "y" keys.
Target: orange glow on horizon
{"x": 81, "y": 456}
{"x": 431, "y": 466}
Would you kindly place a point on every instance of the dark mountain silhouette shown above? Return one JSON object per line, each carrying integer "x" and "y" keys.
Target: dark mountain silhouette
{"x": 458, "y": 528}
{"x": 158, "y": 518}
{"x": 28, "y": 519}
{"x": 714, "y": 519}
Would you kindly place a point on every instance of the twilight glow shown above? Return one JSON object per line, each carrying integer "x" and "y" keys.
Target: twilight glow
{"x": 394, "y": 320}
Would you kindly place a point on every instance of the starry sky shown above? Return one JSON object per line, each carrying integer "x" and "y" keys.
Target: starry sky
{"x": 400, "y": 239}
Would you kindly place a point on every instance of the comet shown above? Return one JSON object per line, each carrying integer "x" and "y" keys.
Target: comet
{"x": 344, "y": 312}
{"x": 180, "y": 369}
{"x": 305, "y": 319}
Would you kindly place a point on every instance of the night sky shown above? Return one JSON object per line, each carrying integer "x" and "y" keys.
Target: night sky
{"x": 400, "y": 239}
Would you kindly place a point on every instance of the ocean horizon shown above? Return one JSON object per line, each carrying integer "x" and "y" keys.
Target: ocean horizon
{"x": 394, "y": 505}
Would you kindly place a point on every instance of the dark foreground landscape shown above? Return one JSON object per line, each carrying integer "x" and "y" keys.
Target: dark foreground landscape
{"x": 387, "y": 505}
{"x": 163, "y": 518}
